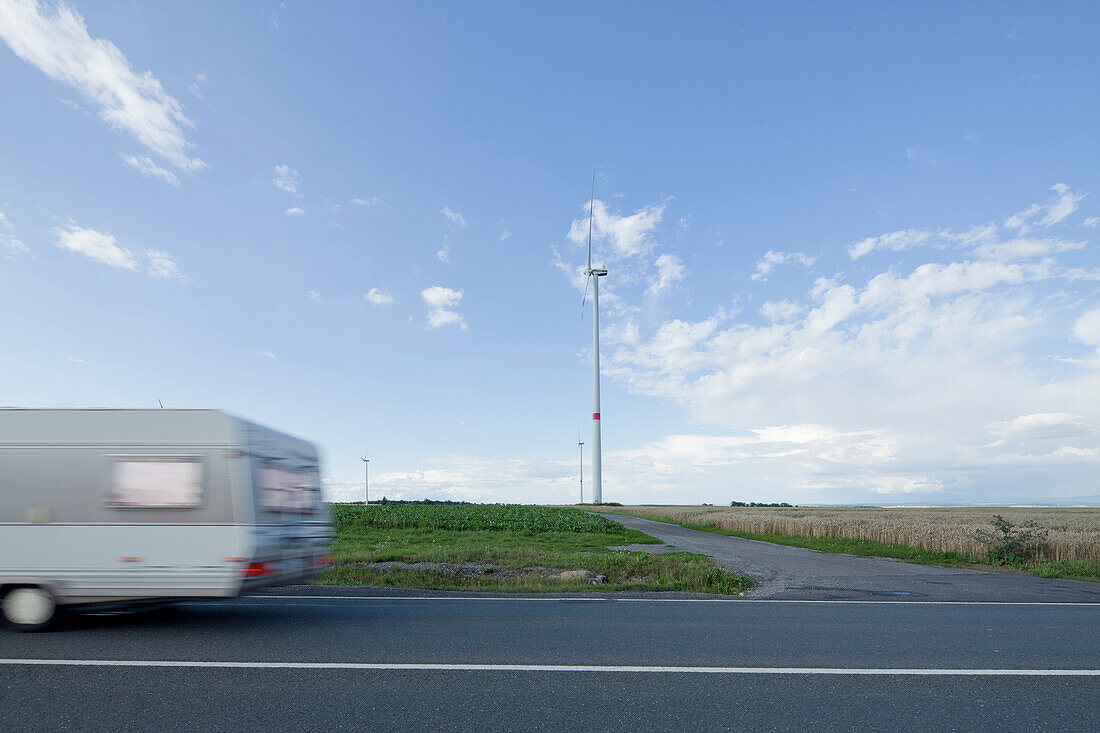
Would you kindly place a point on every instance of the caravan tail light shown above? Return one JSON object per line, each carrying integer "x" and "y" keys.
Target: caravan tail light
{"x": 256, "y": 569}
{"x": 322, "y": 560}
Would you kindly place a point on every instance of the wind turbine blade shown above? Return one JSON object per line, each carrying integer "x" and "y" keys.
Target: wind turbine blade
{"x": 585, "y": 296}
{"x": 591, "y": 201}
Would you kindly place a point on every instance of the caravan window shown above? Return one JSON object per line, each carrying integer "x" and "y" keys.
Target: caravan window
{"x": 287, "y": 489}
{"x": 156, "y": 482}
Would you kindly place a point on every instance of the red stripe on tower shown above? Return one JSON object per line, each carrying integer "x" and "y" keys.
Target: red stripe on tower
{"x": 595, "y": 416}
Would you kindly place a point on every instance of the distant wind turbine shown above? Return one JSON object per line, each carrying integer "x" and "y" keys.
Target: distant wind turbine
{"x": 580, "y": 452}
{"x": 594, "y": 275}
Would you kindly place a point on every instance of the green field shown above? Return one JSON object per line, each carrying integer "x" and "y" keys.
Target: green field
{"x": 507, "y": 547}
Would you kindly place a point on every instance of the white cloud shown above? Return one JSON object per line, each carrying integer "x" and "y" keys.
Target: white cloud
{"x": 627, "y": 333}
{"x": 1087, "y": 328}
{"x": 96, "y": 245}
{"x": 441, "y": 302}
{"x": 1024, "y": 248}
{"x": 147, "y": 167}
{"x": 1043, "y": 436}
{"x": 984, "y": 237}
{"x": 55, "y": 39}
{"x": 454, "y": 219}
{"x": 670, "y": 270}
{"x": 196, "y": 85}
{"x": 780, "y": 311}
{"x": 103, "y": 247}
{"x": 975, "y": 236}
{"x": 504, "y": 234}
{"x": 13, "y": 244}
{"x": 378, "y": 297}
{"x": 574, "y": 272}
{"x": 469, "y": 478}
{"x": 628, "y": 235}
{"x": 680, "y": 468}
{"x": 7, "y": 237}
{"x": 161, "y": 266}
{"x": 1054, "y": 211}
{"x": 73, "y": 105}
{"x": 934, "y": 381}
{"x": 444, "y": 254}
{"x": 276, "y": 14}
{"x": 1079, "y": 273}
{"x": 372, "y": 201}
{"x": 1092, "y": 221}
{"x": 267, "y": 355}
{"x": 287, "y": 179}
{"x": 294, "y": 211}
{"x": 767, "y": 263}
{"x": 628, "y": 246}
{"x": 315, "y": 296}
{"x": 778, "y": 462}
{"x": 1037, "y": 422}
{"x": 922, "y": 154}
{"x": 894, "y": 241}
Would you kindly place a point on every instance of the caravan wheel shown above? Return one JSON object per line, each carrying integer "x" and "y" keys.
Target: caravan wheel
{"x": 29, "y": 608}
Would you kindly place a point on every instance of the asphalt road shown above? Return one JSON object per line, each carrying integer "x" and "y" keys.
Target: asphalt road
{"x": 783, "y": 572}
{"x": 311, "y": 661}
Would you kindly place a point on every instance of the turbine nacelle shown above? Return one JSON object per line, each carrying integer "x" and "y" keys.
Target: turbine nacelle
{"x": 590, "y": 272}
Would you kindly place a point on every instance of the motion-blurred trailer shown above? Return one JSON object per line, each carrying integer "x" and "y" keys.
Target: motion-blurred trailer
{"x": 110, "y": 506}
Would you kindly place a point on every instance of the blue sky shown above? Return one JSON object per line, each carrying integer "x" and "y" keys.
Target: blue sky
{"x": 850, "y": 246}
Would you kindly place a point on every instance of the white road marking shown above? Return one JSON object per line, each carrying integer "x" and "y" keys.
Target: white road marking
{"x": 657, "y": 600}
{"x": 862, "y": 602}
{"x": 618, "y": 669}
{"x": 422, "y": 598}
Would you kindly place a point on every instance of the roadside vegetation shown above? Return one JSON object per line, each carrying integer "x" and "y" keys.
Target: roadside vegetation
{"x": 500, "y": 547}
{"x": 1050, "y": 543}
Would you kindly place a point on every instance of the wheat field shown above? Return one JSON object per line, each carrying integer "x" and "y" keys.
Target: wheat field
{"x": 1074, "y": 532}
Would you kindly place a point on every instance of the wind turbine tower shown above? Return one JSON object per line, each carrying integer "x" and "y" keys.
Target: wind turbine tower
{"x": 594, "y": 275}
{"x": 580, "y": 452}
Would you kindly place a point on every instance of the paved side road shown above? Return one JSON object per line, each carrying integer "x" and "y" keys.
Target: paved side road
{"x": 784, "y": 572}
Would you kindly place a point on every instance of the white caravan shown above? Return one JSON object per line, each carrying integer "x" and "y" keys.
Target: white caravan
{"x": 118, "y": 506}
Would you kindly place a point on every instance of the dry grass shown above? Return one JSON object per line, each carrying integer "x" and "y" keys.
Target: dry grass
{"x": 1074, "y": 532}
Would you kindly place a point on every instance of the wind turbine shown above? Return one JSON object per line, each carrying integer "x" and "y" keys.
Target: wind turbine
{"x": 580, "y": 452}
{"x": 594, "y": 275}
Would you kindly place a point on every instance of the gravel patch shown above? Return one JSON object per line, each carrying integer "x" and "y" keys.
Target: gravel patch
{"x": 655, "y": 549}
{"x": 472, "y": 570}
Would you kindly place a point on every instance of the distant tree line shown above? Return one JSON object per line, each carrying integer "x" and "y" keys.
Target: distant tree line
{"x": 758, "y": 503}
{"x": 384, "y": 500}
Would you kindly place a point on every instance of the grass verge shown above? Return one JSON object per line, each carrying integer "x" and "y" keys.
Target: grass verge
{"x": 1068, "y": 569}
{"x": 507, "y": 548}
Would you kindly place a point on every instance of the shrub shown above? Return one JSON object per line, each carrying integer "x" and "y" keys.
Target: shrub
{"x": 1013, "y": 544}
